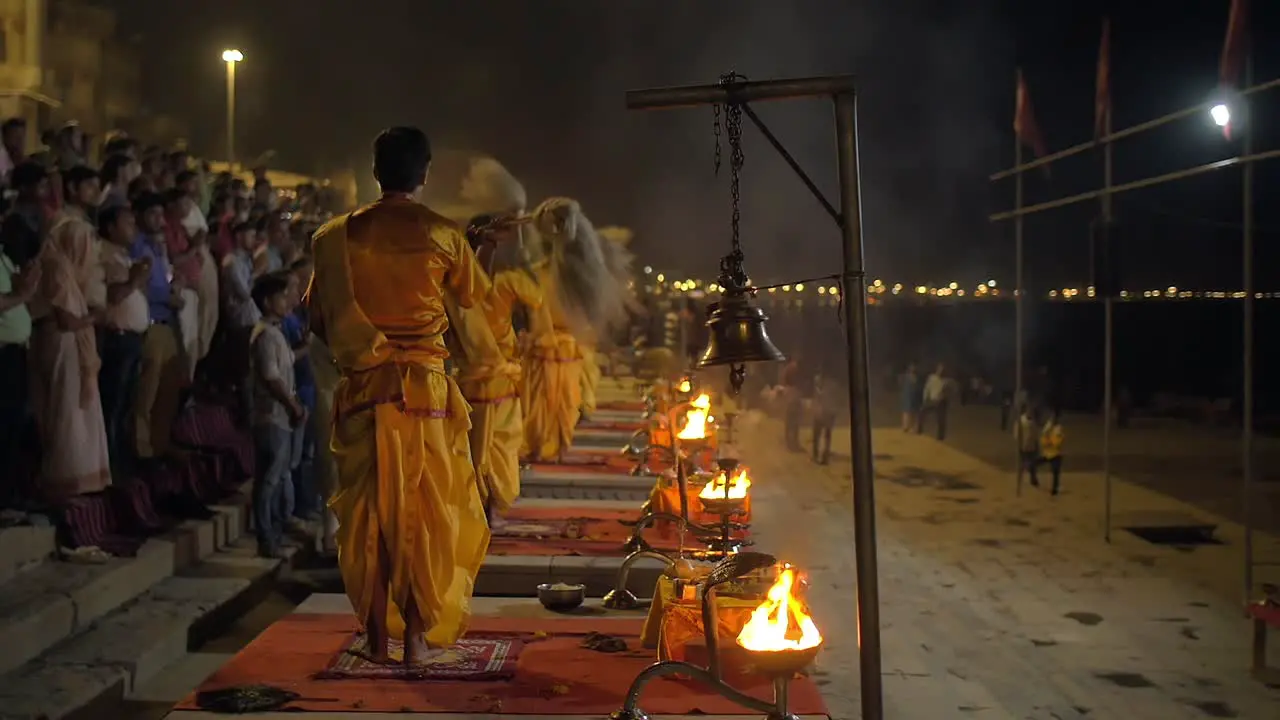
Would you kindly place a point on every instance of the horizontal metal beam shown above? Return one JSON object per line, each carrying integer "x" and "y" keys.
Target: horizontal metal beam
{"x": 1126, "y": 132}
{"x": 743, "y": 92}
{"x": 1135, "y": 185}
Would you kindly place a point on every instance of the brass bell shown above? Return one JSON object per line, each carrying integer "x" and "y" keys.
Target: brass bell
{"x": 738, "y": 334}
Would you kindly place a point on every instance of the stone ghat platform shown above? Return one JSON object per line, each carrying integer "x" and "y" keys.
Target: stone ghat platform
{"x": 540, "y": 669}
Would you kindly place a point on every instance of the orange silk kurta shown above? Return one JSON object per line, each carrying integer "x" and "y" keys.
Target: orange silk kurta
{"x": 552, "y": 384}
{"x": 400, "y": 445}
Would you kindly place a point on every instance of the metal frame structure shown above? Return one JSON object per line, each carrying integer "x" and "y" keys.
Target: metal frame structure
{"x": 842, "y": 91}
{"x": 1245, "y": 161}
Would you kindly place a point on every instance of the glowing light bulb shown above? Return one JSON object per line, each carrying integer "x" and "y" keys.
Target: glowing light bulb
{"x": 1221, "y": 115}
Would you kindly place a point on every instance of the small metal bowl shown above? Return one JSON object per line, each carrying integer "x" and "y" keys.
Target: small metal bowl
{"x": 564, "y": 598}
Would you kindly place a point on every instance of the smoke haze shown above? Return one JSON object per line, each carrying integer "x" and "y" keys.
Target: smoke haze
{"x": 539, "y": 86}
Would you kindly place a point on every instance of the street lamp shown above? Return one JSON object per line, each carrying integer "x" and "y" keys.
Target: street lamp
{"x": 1221, "y": 114}
{"x": 231, "y": 57}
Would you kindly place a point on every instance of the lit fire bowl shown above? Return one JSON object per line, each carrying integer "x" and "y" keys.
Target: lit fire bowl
{"x": 727, "y": 493}
{"x": 724, "y": 506}
{"x": 782, "y": 663}
{"x": 780, "y": 638}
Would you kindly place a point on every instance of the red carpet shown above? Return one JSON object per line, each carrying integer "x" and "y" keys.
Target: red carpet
{"x": 575, "y": 531}
{"x": 476, "y": 657}
{"x": 554, "y": 674}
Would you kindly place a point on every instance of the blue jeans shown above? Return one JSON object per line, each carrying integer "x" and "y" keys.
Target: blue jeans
{"x": 273, "y": 446}
{"x": 118, "y": 385}
{"x": 302, "y": 497}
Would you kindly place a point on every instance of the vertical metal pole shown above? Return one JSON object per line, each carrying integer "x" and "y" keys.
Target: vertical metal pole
{"x": 231, "y": 114}
{"x": 855, "y": 320}
{"x": 1246, "y": 439}
{"x": 1108, "y": 328}
{"x": 1018, "y": 293}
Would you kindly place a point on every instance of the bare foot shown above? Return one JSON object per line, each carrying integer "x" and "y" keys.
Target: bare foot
{"x": 418, "y": 652}
{"x": 377, "y": 658}
{"x": 376, "y": 648}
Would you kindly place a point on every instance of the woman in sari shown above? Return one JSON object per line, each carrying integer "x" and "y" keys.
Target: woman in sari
{"x": 65, "y": 362}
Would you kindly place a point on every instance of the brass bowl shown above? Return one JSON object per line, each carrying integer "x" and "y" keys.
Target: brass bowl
{"x": 563, "y": 598}
{"x": 782, "y": 663}
{"x": 723, "y": 505}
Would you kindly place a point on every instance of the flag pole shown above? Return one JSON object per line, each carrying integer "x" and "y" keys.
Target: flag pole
{"x": 1246, "y": 440}
{"x": 1018, "y": 293}
{"x": 1108, "y": 322}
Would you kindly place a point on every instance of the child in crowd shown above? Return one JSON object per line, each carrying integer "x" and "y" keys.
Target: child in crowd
{"x": 302, "y": 499}
{"x": 277, "y": 410}
{"x": 239, "y": 312}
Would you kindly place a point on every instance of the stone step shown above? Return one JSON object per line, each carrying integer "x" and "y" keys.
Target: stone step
{"x": 56, "y": 600}
{"x": 47, "y": 604}
{"x": 571, "y": 492}
{"x": 124, "y": 649}
{"x": 24, "y": 547}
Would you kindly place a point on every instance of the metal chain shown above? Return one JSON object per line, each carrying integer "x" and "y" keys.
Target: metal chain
{"x": 715, "y": 132}
{"x": 733, "y": 128}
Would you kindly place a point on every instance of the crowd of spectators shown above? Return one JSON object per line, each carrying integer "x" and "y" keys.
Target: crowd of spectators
{"x": 126, "y": 294}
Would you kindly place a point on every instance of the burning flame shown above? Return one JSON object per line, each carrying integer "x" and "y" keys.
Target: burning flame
{"x": 737, "y": 487}
{"x": 695, "y": 425}
{"x": 780, "y": 622}
{"x": 702, "y": 402}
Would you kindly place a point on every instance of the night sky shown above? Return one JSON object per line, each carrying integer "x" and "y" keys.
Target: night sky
{"x": 540, "y": 86}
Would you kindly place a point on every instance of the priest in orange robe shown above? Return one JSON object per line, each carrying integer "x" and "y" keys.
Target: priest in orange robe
{"x": 411, "y": 525}
{"x": 489, "y": 368}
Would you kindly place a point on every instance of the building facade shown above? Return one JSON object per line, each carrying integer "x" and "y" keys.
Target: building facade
{"x": 25, "y": 80}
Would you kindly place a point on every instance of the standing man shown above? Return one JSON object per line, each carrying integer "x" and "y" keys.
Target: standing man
{"x": 124, "y": 325}
{"x": 552, "y": 380}
{"x": 185, "y": 257}
{"x": 489, "y": 371}
{"x": 193, "y": 221}
{"x": 161, "y": 376}
{"x": 24, "y": 226}
{"x": 411, "y": 525}
{"x": 936, "y": 397}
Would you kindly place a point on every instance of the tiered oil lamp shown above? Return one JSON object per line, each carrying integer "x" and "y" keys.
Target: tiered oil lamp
{"x": 718, "y": 540}
{"x": 661, "y": 435}
{"x": 780, "y": 638}
{"x": 697, "y": 435}
{"x": 726, "y": 496}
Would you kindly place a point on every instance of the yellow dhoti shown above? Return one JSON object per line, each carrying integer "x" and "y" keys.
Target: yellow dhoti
{"x": 590, "y": 379}
{"x": 405, "y": 487}
{"x": 496, "y": 434}
{"x": 552, "y": 395}
{"x": 406, "y": 481}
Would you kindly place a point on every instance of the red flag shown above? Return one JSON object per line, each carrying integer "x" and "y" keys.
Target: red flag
{"x": 1102, "y": 92}
{"x": 1024, "y": 120}
{"x": 1235, "y": 45}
